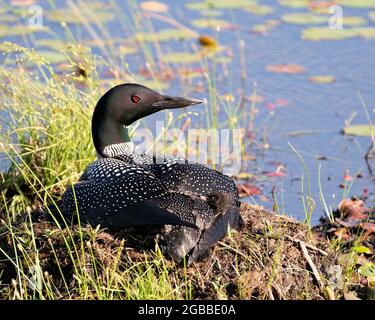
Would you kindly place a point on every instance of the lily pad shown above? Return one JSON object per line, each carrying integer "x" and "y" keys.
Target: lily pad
{"x": 265, "y": 27}
{"x": 210, "y": 23}
{"x": 356, "y": 3}
{"x": 304, "y": 18}
{"x": 372, "y": 15}
{"x": 69, "y": 16}
{"x": 13, "y": 31}
{"x": 154, "y": 6}
{"x": 323, "y": 33}
{"x": 168, "y": 34}
{"x": 354, "y": 21}
{"x": 286, "y": 68}
{"x": 55, "y": 44}
{"x": 259, "y": 9}
{"x": 7, "y": 18}
{"x": 363, "y": 130}
{"x": 295, "y": 3}
{"x": 323, "y": 79}
{"x": 219, "y": 4}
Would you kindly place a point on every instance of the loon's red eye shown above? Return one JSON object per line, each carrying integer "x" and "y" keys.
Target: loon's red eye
{"x": 135, "y": 99}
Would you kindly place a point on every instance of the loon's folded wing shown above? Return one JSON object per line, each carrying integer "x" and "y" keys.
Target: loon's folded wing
{"x": 119, "y": 192}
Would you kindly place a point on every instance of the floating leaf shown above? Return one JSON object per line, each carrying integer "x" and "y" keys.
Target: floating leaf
{"x": 363, "y": 130}
{"x": 323, "y": 79}
{"x": 353, "y": 21}
{"x": 210, "y": 23}
{"x": 295, "y": 3}
{"x": 127, "y": 50}
{"x": 286, "y": 68}
{"x": 154, "y": 6}
{"x": 207, "y": 41}
{"x": 316, "y": 34}
{"x": 223, "y": 59}
{"x": 168, "y": 34}
{"x": 70, "y": 16}
{"x": 219, "y": 4}
{"x": 52, "y": 44}
{"x": 6, "y": 18}
{"x": 304, "y": 18}
{"x": 52, "y": 57}
{"x": 258, "y": 9}
{"x": 356, "y": 3}
{"x": 19, "y": 30}
{"x": 22, "y": 3}
{"x": 265, "y": 27}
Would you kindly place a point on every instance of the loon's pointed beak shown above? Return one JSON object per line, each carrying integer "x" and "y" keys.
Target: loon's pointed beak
{"x": 167, "y": 102}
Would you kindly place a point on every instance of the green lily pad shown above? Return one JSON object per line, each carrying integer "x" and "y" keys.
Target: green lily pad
{"x": 52, "y": 57}
{"x": 304, "y": 18}
{"x": 127, "y": 50}
{"x": 323, "y": 79}
{"x": 356, "y": 3}
{"x": 363, "y": 130}
{"x": 294, "y": 3}
{"x": 69, "y": 16}
{"x": 55, "y": 44}
{"x": 354, "y": 21}
{"x": 219, "y": 4}
{"x": 210, "y": 23}
{"x": 223, "y": 59}
{"x": 168, "y": 34}
{"x": 323, "y": 33}
{"x": 18, "y": 30}
{"x": 259, "y": 9}
{"x": 265, "y": 27}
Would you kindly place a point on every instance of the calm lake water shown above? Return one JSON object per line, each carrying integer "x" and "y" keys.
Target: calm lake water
{"x": 317, "y": 111}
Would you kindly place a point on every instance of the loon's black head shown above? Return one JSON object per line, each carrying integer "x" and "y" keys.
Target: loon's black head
{"x": 124, "y": 104}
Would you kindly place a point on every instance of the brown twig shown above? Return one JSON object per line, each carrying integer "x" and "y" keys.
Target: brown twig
{"x": 306, "y": 255}
{"x": 310, "y": 246}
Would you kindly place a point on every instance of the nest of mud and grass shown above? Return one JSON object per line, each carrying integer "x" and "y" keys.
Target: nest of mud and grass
{"x": 272, "y": 257}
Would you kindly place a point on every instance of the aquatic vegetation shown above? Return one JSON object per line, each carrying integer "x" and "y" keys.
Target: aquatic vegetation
{"x": 154, "y": 6}
{"x": 364, "y": 130}
{"x": 323, "y": 33}
{"x": 210, "y": 23}
{"x": 167, "y": 34}
{"x": 220, "y": 4}
{"x": 323, "y": 79}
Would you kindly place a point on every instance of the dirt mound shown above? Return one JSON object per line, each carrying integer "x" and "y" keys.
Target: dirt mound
{"x": 272, "y": 257}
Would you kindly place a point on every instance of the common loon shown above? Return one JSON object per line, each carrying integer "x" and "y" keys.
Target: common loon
{"x": 192, "y": 204}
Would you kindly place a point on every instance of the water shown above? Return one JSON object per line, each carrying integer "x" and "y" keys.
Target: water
{"x": 316, "y": 108}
